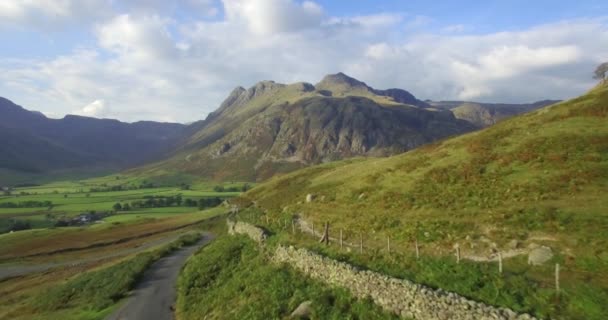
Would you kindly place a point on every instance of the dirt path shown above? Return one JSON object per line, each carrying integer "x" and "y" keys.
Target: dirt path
{"x": 17, "y": 270}
{"x": 155, "y": 295}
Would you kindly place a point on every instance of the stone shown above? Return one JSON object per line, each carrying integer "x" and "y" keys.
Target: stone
{"x": 513, "y": 244}
{"x": 361, "y": 196}
{"x": 303, "y": 311}
{"x": 309, "y": 197}
{"x": 540, "y": 255}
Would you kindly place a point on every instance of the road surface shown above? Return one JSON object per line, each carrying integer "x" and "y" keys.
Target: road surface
{"x": 154, "y": 296}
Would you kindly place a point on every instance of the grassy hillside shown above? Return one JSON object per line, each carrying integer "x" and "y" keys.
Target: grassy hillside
{"x": 536, "y": 179}
{"x": 232, "y": 279}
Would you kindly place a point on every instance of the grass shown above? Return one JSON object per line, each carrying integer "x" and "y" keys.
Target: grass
{"x": 232, "y": 279}
{"x": 537, "y": 178}
{"x": 93, "y": 294}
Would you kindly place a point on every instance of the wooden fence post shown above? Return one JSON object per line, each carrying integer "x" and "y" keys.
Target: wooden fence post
{"x": 557, "y": 277}
{"x": 340, "y": 238}
{"x": 388, "y": 244}
{"x": 293, "y": 227}
{"x": 325, "y": 236}
{"x": 500, "y": 262}
{"x": 313, "y": 229}
{"x": 417, "y": 250}
{"x": 458, "y": 254}
{"x": 266, "y": 219}
{"x": 360, "y": 243}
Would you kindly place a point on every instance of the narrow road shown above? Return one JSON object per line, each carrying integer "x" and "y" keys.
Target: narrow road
{"x": 155, "y": 295}
{"x": 17, "y": 270}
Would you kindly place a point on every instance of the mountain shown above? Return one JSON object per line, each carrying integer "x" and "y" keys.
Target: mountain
{"x": 487, "y": 114}
{"x": 274, "y": 128}
{"x": 33, "y": 143}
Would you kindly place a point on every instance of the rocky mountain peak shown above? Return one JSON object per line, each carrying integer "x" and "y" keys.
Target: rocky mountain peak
{"x": 339, "y": 79}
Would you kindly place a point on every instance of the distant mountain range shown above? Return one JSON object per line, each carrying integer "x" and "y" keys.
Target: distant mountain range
{"x": 255, "y": 133}
{"x": 487, "y": 114}
{"x": 35, "y": 144}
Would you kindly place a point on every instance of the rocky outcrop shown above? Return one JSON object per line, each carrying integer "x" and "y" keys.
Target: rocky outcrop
{"x": 398, "y": 296}
{"x": 257, "y": 234}
{"x": 540, "y": 255}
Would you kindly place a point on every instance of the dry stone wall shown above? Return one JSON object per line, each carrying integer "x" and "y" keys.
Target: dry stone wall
{"x": 401, "y": 297}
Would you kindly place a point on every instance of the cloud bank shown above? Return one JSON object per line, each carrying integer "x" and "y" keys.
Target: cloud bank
{"x": 148, "y": 63}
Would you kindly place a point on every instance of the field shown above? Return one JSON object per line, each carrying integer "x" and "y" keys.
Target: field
{"x": 57, "y": 254}
{"x": 91, "y": 291}
{"x": 44, "y": 206}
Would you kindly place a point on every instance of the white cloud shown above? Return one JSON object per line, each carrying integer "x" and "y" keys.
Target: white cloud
{"x": 272, "y": 16}
{"x": 96, "y": 109}
{"x": 148, "y": 65}
{"x": 50, "y": 13}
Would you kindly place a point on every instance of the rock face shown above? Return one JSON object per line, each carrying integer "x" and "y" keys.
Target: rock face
{"x": 540, "y": 255}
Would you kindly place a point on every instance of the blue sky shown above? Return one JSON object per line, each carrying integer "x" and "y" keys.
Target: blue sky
{"x": 177, "y": 60}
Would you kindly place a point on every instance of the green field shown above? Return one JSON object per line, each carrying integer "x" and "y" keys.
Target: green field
{"x": 72, "y": 198}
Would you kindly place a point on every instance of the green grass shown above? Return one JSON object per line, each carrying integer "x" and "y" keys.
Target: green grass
{"x": 542, "y": 175}
{"x": 232, "y": 279}
{"x": 92, "y": 295}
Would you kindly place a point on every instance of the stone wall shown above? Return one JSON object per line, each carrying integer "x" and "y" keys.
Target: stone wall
{"x": 253, "y": 232}
{"x": 398, "y": 296}
{"x": 401, "y": 297}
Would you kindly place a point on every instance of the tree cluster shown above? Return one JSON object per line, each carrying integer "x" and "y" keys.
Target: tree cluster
{"x": 243, "y": 188}
{"x": 168, "y": 201}
{"x": 27, "y": 204}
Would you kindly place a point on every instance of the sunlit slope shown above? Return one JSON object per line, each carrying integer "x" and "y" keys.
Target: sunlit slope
{"x": 540, "y": 175}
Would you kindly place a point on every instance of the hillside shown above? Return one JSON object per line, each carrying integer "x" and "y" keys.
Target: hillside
{"x": 34, "y": 145}
{"x": 274, "y": 128}
{"x": 538, "y": 178}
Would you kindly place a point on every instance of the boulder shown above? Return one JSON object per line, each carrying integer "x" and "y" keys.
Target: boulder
{"x": 540, "y": 255}
{"x": 303, "y": 311}
{"x": 309, "y": 197}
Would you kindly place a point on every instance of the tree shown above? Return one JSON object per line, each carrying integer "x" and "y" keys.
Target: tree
{"x": 178, "y": 200}
{"x": 600, "y": 71}
{"x": 126, "y": 207}
{"x": 117, "y": 206}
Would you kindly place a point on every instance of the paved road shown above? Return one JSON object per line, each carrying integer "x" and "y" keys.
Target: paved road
{"x": 16, "y": 270}
{"x": 155, "y": 295}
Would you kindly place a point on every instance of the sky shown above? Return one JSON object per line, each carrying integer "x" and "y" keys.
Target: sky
{"x": 170, "y": 60}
